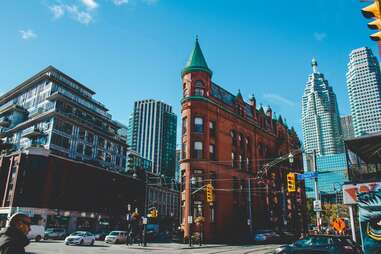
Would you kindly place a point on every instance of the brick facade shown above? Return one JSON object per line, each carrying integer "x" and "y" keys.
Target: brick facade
{"x": 237, "y": 142}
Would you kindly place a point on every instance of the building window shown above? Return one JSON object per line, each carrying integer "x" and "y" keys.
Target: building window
{"x": 199, "y": 88}
{"x": 63, "y": 126}
{"x": 90, "y": 138}
{"x": 233, "y": 137}
{"x": 212, "y": 128}
{"x": 101, "y": 142}
{"x": 80, "y": 148}
{"x": 212, "y": 152}
{"x": 184, "y": 125}
{"x": 60, "y": 141}
{"x": 241, "y": 162}
{"x": 197, "y": 151}
{"x": 234, "y": 160}
{"x": 81, "y": 134}
{"x": 198, "y": 124}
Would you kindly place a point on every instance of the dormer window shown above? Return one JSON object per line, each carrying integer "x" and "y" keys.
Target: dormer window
{"x": 199, "y": 88}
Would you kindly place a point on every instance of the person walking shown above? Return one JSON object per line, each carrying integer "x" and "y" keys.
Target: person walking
{"x": 13, "y": 238}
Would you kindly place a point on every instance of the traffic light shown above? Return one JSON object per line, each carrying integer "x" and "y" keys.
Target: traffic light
{"x": 374, "y": 11}
{"x": 209, "y": 193}
{"x": 291, "y": 183}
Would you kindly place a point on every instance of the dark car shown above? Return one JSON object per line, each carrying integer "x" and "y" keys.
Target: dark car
{"x": 321, "y": 244}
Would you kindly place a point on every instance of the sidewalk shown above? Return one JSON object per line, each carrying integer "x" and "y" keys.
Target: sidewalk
{"x": 174, "y": 246}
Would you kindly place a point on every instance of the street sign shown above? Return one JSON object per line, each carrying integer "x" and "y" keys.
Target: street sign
{"x": 317, "y": 206}
{"x": 190, "y": 219}
{"x": 308, "y": 175}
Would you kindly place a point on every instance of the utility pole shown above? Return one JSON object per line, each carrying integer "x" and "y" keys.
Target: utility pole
{"x": 250, "y": 211}
{"x": 317, "y": 196}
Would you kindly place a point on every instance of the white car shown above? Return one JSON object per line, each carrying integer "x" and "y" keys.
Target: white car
{"x": 37, "y": 232}
{"x": 116, "y": 237}
{"x": 80, "y": 238}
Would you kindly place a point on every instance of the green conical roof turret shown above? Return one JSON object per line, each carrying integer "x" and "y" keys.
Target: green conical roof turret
{"x": 196, "y": 61}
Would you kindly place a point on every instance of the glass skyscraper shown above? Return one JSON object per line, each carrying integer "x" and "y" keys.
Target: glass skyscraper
{"x": 320, "y": 116}
{"x": 152, "y": 129}
{"x": 364, "y": 89}
{"x": 323, "y": 134}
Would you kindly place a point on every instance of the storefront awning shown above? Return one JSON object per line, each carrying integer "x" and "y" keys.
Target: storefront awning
{"x": 368, "y": 148}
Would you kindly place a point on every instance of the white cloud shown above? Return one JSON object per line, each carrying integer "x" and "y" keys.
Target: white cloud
{"x": 320, "y": 36}
{"x": 82, "y": 17}
{"x": 90, "y": 4}
{"x": 276, "y": 98}
{"x": 27, "y": 34}
{"x": 120, "y": 2}
{"x": 57, "y": 10}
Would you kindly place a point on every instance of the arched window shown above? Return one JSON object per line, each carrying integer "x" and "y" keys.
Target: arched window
{"x": 199, "y": 88}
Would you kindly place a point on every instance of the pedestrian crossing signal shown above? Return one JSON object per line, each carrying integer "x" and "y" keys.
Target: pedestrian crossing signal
{"x": 291, "y": 183}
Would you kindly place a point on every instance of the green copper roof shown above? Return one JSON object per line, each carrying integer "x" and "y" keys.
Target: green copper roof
{"x": 196, "y": 61}
{"x": 239, "y": 95}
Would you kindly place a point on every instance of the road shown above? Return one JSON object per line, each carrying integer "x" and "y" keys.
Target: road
{"x": 58, "y": 247}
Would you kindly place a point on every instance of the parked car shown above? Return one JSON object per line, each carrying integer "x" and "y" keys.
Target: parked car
{"x": 37, "y": 232}
{"x": 55, "y": 233}
{"x": 80, "y": 238}
{"x": 266, "y": 236}
{"x": 101, "y": 235}
{"x": 116, "y": 237}
{"x": 321, "y": 244}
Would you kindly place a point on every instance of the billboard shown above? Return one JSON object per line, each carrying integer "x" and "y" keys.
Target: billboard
{"x": 369, "y": 204}
{"x": 350, "y": 191}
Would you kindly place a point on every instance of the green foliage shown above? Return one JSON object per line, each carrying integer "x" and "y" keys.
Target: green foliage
{"x": 330, "y": 211}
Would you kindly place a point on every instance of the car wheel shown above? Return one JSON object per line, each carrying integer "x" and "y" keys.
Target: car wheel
{"x": 38, "y": 238}
{"x": 117, "y": 242}
{"x": 81, "y": 242}
{"x": 92, "y": 243}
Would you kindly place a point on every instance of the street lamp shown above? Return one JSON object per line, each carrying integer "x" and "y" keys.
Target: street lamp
{"x": 291, "y": 158}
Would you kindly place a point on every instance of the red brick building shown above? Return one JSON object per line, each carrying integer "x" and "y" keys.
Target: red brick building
{"x": 233, "y": 145}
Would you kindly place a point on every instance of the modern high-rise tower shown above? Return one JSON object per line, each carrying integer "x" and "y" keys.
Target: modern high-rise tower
{"x": 320, "y": 116}
{"x": 153, "y": 135}
{"x": 347, "y": 127}
{"x": 364, "y": 89}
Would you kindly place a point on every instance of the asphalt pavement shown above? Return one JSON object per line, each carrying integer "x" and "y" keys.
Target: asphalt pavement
{"x": 58, "y": 247}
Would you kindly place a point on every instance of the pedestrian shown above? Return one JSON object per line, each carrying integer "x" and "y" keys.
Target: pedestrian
{"x": 13, "y": 238}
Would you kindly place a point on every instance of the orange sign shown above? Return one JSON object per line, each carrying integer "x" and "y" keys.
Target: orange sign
{"x": 338, "y": 224}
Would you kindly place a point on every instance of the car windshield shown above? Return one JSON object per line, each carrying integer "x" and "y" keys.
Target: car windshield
{"x": 78, "y": 234}
{"x": 114, "y": 233}
{"x": 314, "y": 241}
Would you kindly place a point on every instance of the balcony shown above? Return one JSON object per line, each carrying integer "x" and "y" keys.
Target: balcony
{"x": 31, "y": 132}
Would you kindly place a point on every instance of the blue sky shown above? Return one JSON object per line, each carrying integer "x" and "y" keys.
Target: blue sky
{"x": 126, "y": 50}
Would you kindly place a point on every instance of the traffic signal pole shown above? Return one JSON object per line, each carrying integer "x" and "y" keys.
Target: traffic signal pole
{"x": 317, "y": 196}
